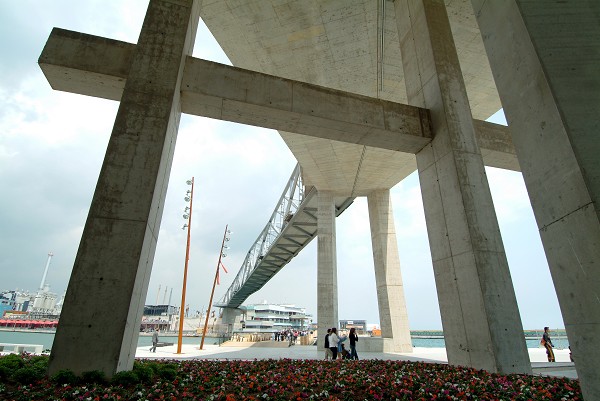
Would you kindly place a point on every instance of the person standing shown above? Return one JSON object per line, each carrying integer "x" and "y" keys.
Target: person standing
{"x": 328, "y": 353}
{"x": 154, "y": 340}
{"x": 353, "y": 339}
{"x": 333, "y": 343}
{"x": 547, "y": 342}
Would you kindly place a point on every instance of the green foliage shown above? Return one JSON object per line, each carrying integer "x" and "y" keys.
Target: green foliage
{"x": 168, "y": 372}
{"x": 4, "y": 373}
{"x": 125, "y": 378}
{"x": 94, "y": 376}
{"x": 65, "y": 376}
{"x": 28, "y": 375}
{"x": 38, "y": 362}
{"x": 155, "y": 366}
{"x": 144, "y": 372}
{"x": 11, "y": 361}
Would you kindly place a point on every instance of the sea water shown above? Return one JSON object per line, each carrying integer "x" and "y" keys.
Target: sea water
{"x": 46, "y": 338}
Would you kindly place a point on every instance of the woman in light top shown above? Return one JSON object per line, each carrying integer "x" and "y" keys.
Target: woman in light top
{"x": 333, "y": 342}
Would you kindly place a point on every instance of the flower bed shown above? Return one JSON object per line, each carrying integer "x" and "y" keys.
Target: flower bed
{"x": 288, "y": 379}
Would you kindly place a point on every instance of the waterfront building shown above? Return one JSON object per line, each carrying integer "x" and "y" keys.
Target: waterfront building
{"x": 273, "y": 318}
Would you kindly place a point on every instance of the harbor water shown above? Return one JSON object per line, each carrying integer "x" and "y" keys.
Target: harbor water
{"x": 419, "y": 339}
{"x": 47, "y": 338}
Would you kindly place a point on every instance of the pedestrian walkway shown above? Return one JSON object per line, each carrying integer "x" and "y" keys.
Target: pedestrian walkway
{"x": 261, "y": 350}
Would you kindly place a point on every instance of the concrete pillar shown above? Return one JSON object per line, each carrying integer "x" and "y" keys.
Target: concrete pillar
{"x": 545, "y": 61}
{"x": 393, "y": 315}
{"x": 479, "y": 311}
{"x": 232, "y": 317}
{"x": 101, "y": 316}
{"x": 327, "y": 293}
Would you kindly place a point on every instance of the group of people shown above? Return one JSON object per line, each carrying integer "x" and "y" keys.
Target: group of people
{"x": 334, "y": 345}
{"x": 288, "y": 335}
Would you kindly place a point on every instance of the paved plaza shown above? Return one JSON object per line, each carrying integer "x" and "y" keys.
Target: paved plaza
{"x": 272, "y": 350}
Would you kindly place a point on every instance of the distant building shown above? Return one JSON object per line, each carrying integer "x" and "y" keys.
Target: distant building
{"x": 42, "y": 304}
{"x": 160, "y": 310}
{"x": 359, "y": 325}
{"x": 272, "y": 318}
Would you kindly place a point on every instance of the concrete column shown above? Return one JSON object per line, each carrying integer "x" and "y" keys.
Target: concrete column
{"x": 479, "y": 311}
{"x": 327, "y": 294}
{"x": 393, "y": 315}
{"x": 545, "y": 61}
{"x": 101, "y": 316}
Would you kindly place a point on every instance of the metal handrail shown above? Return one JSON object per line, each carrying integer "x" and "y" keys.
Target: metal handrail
{"x": 288, "y": 205}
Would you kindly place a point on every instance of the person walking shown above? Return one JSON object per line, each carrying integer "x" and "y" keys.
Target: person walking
{"x": 353, "y": 339}
{"x": 547, "y": 342}
{"x": 333, "y": 343}
{"x": 154, "y": 340}
{"x": 328, "y": 353}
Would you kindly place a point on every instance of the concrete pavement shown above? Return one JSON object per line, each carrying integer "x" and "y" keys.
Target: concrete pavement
{"x": 278, "y": 350}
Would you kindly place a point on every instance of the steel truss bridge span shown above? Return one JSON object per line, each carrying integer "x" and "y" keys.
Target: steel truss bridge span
{"x": 291, "y": 227}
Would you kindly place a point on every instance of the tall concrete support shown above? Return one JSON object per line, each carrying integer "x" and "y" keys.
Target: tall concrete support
{"x": 545, "y": 61}
{"x": 393, "y": 315}
{"x": 327, "y": 293}
{"x": 479, "y": 311}
{"x": 100, "y": 319}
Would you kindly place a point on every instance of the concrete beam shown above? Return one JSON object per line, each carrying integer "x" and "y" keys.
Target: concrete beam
{"x": 94, "y": 66}
{"x": 86, "y": 64}
{"x": 74, "y": 62}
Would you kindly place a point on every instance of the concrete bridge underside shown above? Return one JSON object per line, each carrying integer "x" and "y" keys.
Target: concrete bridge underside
{"x": 363, "y": 92}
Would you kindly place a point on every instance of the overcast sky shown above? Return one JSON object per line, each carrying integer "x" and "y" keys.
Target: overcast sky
{"x": 51, "y": 149}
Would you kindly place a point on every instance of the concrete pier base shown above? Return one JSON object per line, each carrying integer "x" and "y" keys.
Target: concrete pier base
{"x": 393, "y": 316}
{"x": 100, "y": 319}
{"x": 479, "y": 312}
{"x": 327, "y": 293}
{"x": 550, "y": 94}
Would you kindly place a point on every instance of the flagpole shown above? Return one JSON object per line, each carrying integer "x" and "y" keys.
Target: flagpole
{"x": 213, "y": 288}
{"x": 185, "y": 269}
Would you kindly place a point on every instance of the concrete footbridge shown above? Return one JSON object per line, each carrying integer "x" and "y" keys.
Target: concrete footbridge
{"x": 290, "y": 228}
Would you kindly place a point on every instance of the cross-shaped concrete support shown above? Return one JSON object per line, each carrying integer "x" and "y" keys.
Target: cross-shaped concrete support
{"x": 100, "y": 320}
{"x": 155, "y": 81}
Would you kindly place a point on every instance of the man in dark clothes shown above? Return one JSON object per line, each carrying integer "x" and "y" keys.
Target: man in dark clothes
{"x": 328, "y": 353}
{"x": 547, "y": 342}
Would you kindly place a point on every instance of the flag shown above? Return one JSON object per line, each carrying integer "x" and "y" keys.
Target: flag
{"x": 223, "y": 266}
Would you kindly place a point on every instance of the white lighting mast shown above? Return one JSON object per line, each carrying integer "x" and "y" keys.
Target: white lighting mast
{"x": 43, "y": 283}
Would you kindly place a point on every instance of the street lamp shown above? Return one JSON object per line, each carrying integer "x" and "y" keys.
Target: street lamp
{"x": 222, "y": 254}
{"x": 187, "y": 215}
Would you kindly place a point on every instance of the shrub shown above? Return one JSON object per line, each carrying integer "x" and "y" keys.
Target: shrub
{"x": 145, "y": 373}
{"x": 168, "y": 372}
{"x": 11, "y": 361}
{"x": 94, "y": 376}
{"x": 155, "y": 366}
{"x": 4, "y": 373}
{"x": 28, "y": 375}
{"x": 64, "y": 376}
{"x": 125, "y": 378}
{"x": 38, "y": 362}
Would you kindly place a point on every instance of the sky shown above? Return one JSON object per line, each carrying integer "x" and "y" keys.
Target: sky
{"x": 51, "y": 149}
